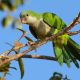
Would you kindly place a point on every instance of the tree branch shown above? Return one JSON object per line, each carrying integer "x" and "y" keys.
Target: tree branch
{"x": 41, "y": 42}
{"x": 73, "y": 33}
{"x": 42, "y": 57}
{"x": 35, "y": 56}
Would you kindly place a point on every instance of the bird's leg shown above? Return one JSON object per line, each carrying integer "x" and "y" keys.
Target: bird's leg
{"x": 31, "y": 44}
{"x": 30, "y": 41}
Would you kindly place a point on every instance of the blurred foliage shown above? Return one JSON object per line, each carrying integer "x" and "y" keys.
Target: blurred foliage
{"x": 58, "y": 76}
{"x": 2, "y": 78}
{"x": 4, "y": 68}
{"x": 7, "y": 21}
{"x": 17, "y": 47}
{"x": 10, "y": 6}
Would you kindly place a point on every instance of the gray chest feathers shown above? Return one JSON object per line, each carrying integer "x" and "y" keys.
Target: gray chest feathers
{"x": 42, "y": 30}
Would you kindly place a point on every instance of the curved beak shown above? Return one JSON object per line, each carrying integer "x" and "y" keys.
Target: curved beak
{"x": 23, "y": 20}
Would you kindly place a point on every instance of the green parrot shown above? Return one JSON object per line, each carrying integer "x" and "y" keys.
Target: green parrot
{"x": 45, "y": 25}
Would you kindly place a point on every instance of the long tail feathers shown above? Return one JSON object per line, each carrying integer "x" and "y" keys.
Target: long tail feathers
{"x": 68, "y": 53}
{"x": 67, "y": 59}
{"x": 74, "y": 49}
{"x": 58, "y": 53}
{"x": 72, "y": 57}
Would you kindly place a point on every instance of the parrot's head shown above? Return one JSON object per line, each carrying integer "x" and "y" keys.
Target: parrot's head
{"x": 29, "y": 17}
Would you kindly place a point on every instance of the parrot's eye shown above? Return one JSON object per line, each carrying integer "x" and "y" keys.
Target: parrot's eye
{"x": 27, "y": 15}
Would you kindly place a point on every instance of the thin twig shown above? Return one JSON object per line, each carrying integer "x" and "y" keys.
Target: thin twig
{"x": 74, "y": 22}
{"x": 36, "y": 56}
{"x": 73, "y": 33}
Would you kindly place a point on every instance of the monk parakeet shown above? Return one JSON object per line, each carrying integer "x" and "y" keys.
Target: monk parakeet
{"x": 46, "y": 24}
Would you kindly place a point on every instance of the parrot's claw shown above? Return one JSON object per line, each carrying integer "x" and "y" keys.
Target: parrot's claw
{"x": 31, "y": 44}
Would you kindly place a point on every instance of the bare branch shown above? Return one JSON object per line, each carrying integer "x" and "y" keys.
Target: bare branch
{"x": 35, "y": 56}
{"x": 73, "y": 33}
{"x": 76, "y": 20}
{"x": 42, "y": 57}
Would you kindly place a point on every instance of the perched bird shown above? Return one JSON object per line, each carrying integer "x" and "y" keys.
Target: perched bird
{"x": 46, "y": 24}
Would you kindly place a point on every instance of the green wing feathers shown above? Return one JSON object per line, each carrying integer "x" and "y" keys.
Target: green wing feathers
{"x": 65, "y": 49}
{"x": 53, "y": 20}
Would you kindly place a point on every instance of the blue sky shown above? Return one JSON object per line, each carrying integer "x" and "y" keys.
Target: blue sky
{"x": 42, "y": 69}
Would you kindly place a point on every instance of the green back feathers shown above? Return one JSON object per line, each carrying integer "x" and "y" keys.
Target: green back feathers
{"x": 31, "y": 13}
{"x": 53, "y": 20}
{"x": 50, "y": 18}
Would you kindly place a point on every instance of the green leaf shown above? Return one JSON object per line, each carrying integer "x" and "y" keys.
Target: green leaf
{"x": 9, "y": 4}
{"x": 3, "y": 7}
{"x": 7, "y": 21}
{"x": 18, "y": 2}
{"x": 21, "y": 65}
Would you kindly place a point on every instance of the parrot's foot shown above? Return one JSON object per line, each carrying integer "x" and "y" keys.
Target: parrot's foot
{"x": 31, "y": 44}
